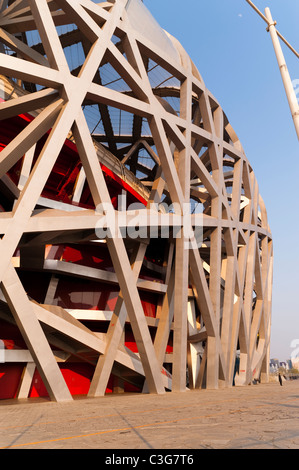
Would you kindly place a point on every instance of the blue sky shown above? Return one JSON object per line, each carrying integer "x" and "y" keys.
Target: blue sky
{"x": 229, "y": 44}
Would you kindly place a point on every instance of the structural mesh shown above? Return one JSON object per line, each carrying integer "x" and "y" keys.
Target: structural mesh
{"x": 135, "y": 248}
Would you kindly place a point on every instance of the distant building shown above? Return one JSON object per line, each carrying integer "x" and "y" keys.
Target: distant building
{"x": 274, "y": 365}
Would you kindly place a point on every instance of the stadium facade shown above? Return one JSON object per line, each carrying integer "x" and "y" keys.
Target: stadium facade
{"x": 136, "y": 253}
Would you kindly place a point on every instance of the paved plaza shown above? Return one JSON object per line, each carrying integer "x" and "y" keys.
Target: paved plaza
{"x": 263, "y": 416}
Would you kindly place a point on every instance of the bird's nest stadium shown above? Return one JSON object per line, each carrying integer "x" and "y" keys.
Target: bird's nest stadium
{"x": 136, "y": 254}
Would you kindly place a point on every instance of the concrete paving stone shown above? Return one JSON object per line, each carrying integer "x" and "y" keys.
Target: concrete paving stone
{"x": 263, "y": 416}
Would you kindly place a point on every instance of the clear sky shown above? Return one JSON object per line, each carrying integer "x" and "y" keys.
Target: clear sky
{"x": 229, "y": 44}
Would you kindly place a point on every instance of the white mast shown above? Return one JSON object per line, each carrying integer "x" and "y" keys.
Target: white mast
{"x": 289, "y": 89}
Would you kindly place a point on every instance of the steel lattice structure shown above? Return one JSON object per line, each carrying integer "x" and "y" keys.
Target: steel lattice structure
{"x": 99, "y": 101}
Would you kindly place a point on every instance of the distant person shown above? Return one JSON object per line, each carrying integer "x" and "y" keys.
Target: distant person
{"x": 280, "y": 379}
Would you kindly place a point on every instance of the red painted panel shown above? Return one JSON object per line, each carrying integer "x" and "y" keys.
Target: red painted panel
{"x": 10, "y": 375}
{"x": 95, "y": 256}
{"x": 60, "y": 184}
{"x": 71, "y": 292}
{"x": 130, "y": 388}
{"x": 11, "y": 336}
{"x": 149, "y": 303}
{"x": 76, "y": 375}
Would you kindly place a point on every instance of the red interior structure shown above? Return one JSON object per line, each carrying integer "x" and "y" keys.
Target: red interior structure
{"x": 72, "y": 292}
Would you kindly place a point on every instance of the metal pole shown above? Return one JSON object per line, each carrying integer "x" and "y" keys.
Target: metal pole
{"x": 290, "y": 92}
{"x": 278, "y": 33}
